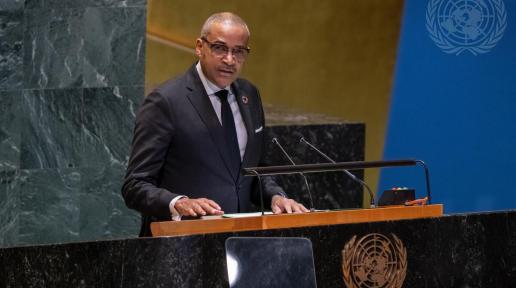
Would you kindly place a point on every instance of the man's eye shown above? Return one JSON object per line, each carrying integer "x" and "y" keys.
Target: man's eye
{"x": 238, "y": 51}
{"x": 220, "y": 48}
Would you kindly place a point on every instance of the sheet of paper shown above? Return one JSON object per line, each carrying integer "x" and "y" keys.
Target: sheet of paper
{"x": 250, "y": 214}
{"x": 243, "y": 215}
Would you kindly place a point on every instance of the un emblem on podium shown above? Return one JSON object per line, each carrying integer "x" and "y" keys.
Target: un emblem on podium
{"x": 374, "y": 261}
{"x": 456, "y": 26}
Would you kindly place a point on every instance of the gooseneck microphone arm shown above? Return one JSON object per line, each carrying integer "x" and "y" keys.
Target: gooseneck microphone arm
{"x": 427, "y": 178}
{"x": 355, "y": 178}
{"x": 275, "y": 141}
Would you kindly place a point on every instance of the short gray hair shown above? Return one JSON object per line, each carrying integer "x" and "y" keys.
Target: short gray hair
{"x": 223, "y": 17}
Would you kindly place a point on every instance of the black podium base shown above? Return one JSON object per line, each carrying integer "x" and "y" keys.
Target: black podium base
{"x": 470, "y": 250}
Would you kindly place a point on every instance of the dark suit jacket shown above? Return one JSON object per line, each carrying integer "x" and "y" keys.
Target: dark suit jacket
{"x": 179, "y": 149}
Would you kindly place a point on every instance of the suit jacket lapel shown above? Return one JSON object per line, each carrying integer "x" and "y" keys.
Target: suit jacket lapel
{"x": 202, "y": 104}
{"x": 246, "y": 115}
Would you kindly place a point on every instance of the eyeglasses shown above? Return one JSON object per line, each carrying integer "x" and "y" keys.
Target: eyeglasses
{"x": 221, "y": 50}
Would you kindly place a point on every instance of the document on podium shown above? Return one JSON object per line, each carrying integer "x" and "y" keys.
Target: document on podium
{"x": 244, "y": 215}
{"x": 251, "y": 214}
{"x": 236, "y": 215}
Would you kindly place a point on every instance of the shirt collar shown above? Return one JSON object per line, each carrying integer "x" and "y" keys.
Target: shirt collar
{"x": 208, "y": 85}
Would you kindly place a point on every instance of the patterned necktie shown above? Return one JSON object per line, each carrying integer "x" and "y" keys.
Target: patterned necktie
{"x": 228, "y": 123}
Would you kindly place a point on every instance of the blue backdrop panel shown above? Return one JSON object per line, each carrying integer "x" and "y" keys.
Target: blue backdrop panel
{"x": 456, "y": 112}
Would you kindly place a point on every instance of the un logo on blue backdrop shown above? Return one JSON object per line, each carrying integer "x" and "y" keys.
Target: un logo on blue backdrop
{"x": 466, "y": 25}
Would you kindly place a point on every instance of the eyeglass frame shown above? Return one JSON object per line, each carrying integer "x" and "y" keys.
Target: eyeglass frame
{"x": 211, "y": 44}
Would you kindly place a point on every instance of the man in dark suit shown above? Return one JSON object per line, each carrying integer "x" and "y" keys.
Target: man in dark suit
{"x": 193, "y": 135}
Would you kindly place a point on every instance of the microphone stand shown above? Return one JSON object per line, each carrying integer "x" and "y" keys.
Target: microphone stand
{"x": 275, "y": 141}
{"x": 355, "y": 178}
{"x": 261, "y": 189}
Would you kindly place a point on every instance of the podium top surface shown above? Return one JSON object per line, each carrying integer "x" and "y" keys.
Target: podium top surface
{"x": 282, "y": 221}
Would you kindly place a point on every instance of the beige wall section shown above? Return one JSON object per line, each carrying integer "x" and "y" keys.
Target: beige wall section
{"x": 334, "y": 57}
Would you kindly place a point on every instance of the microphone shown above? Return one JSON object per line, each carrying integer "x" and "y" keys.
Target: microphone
{"x": 355, "y": 178}
{"x": 275, "y": 141}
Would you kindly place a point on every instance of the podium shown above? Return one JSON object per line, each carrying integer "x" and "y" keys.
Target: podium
{"x": 467, "y": 250}
{"x": 283, "y": 221}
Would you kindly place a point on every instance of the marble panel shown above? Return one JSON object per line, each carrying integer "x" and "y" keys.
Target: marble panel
{"x": 330, "y": 190}
{"x": 126, "y": 263}
{"x": 108, "y": 124}
{"x": 52, "y": 4}
{"x": 9, "y": 5}
{"x": 49, "y": 206}
{"x": 51, "y": 136}
{"x": 10, "y": 129}
{"x": 11, "y": 49}
{"x": 117, "y": 3}
{"x": 164, "y": 263}
{"x": 114, "y": 46}
{"x": 61, "y": 266}
{"x": 53, "y": 48}
{"x": 103, "y": 214}
{"x": 9, "y": 208}
{"x": 49, "y": 4}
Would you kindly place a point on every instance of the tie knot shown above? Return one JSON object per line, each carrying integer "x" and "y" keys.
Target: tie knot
{"x": 222, "y": 94}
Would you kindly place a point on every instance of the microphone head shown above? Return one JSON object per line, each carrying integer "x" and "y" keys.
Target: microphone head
{"x": 275, "y": 140}
{"x": 302, "y": 140}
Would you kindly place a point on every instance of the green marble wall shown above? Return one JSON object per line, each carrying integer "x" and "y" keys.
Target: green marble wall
{"x": 71, "y": 80}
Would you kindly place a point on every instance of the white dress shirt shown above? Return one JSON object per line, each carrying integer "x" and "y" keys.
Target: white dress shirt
{"x": 211, "y": 89}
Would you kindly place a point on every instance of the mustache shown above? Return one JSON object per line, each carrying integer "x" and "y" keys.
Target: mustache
{"x": 227, "y": 68}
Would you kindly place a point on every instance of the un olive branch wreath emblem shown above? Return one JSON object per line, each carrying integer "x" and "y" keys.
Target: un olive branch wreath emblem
{"x": 443, "y": 41}
{"x": 374, "y": 261}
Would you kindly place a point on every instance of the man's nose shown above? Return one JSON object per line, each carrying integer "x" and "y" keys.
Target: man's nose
{"x": 229, "y": 58}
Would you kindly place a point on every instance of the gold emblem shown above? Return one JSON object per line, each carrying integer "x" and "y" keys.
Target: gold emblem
{"x": 374, "y": 261}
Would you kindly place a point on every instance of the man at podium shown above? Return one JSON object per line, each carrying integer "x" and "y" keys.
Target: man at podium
{"x": 194, "y": 133}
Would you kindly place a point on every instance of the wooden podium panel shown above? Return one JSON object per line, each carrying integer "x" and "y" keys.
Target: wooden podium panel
{"x": 219, "y": 225}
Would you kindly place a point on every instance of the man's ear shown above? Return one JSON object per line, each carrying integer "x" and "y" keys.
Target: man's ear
{"x": 198, "y": 47}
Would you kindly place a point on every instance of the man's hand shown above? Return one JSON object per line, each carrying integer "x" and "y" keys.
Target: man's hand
{"x": 197, "y": 207}
{"x": 280, "y": 204}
